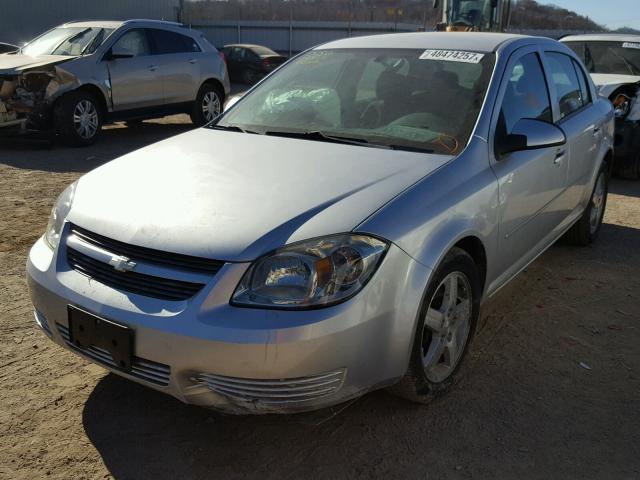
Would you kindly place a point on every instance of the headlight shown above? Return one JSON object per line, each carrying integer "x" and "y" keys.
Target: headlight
{"x": 311, "y": 274}
{"x": 59, "y": 213}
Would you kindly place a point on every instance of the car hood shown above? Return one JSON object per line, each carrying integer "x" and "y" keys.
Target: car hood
{"x": 234, "y": 196}
{"x": 16, "y": 64}
{"x": 608, "y": 83}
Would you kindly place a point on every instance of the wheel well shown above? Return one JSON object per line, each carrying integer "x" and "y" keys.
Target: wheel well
{"x": 218, "y": 84}
{"x": 97, "y": 93}
{"x": 608, "y": 159}
{"x": 474, "y": 247}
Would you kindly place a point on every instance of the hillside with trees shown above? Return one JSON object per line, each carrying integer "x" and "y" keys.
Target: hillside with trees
{"x": 527, "y": 14}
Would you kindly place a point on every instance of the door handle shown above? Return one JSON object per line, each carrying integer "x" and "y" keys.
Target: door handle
{"x": 153, "y": 68}
{"x": 193, "y": 60}
{"x": 559, "y": 156}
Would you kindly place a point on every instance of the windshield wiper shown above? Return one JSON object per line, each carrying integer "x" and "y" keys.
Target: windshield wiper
{"x": 325, "y": 137}
{"x": 232, "y": 128}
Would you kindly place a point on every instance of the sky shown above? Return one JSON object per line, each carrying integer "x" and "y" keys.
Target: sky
{"x": 611, "y": 13}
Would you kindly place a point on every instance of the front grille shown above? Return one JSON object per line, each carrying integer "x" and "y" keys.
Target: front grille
{"x": 148, "y": 370}
{"x": 273, "y": 392}
{"x": 135, "y": 282}
{"x": 157, "y": 257}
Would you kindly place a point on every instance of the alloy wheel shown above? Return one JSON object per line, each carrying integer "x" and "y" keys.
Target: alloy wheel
{"x": 597, "y": 204}
{"x": 85, "y": 119}
{"x": 446, "y": 327}
{"x": 211, "y": 106}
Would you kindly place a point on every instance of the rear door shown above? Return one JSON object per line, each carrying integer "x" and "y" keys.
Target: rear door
{"x": 135, "y": 82}
{"x": 530, "y": 182}
{"x": 178, "y": 58}
{"x": 573, "y": 104}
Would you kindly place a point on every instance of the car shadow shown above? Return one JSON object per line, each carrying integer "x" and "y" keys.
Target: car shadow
{"x": 115, "y": 141}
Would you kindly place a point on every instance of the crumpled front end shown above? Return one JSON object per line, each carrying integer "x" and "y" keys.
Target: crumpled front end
{"x": 625, "y": 98}
{"x": 27, "y": 97}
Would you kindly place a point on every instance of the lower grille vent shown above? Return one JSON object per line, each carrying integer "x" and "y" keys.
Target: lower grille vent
{"x": 148, "y": 370}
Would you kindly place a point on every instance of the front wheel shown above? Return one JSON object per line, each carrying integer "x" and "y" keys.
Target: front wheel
{"x": 447, "y": 322}
{"x": 77, "y": 119}
{"x": 208, "y": 104}
{"x": 586, "y": 230}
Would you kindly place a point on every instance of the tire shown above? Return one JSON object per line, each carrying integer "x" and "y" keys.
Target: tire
{"x": 585, "y": 231}
{"x": 208, "y": 104}
{"x": 77, "y": 119}
{"x": 249, "y": 77}
{"x": 628, "y": 169}
{"x": 433, "y": 366}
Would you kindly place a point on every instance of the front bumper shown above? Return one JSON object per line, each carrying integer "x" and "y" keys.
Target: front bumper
{"x": 242, "y": 360}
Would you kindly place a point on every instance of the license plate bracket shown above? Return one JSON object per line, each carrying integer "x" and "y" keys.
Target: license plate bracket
{"x": 88, "y": 330}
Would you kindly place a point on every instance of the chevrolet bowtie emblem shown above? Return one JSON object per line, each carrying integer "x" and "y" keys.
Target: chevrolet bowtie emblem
{"x": 122, "y": 264}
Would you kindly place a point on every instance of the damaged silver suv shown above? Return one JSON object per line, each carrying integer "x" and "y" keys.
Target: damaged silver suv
{"x": 78, "y": 76}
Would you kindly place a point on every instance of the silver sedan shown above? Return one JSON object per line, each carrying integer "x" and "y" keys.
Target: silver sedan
{"x": 336, "y": 230}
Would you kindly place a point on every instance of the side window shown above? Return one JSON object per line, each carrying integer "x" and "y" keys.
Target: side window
{"x": 584, "y": 86}
{"x": 166, "y": 42}
{"x": 526, "y": 96}
{"x": 135, "y": 41}
{"x": 565, "y": 81}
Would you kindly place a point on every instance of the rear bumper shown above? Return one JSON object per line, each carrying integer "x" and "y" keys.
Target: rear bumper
{"x": 205, "y": 352}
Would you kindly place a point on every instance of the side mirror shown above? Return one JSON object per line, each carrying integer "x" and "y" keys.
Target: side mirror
{"x": 119, "y": 52}
{"x": 530, "y": 134}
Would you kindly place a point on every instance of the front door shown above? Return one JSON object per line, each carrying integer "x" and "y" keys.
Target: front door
{"x": 531, "y": 182}
{"x": 135, "y": 81}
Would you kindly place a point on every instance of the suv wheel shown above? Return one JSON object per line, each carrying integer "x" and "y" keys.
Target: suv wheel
{"x": 77, "y": 119}
{"x": 446, "y": 325}
{"x": 208, "y": 104}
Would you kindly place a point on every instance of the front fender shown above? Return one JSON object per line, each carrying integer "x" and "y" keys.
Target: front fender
{"x": 457, "y": 201}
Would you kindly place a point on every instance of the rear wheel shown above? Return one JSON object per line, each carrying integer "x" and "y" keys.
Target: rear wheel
{"x": 447, "y": 323}
{"x": 208, "y": 104}
{"x": 77, "y": 119}
{"x": 249, "y": 77}
{"x": 586, "y": 230}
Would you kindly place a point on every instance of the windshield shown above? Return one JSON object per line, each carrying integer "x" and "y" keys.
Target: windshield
{"x": 476, "y": 14}
{"x": 69, "y": 41}
{"x": 383, "y": 97}
{"x": 621, "y": 58}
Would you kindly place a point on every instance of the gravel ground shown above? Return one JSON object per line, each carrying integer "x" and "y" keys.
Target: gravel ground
{"x": 525, "y": 407}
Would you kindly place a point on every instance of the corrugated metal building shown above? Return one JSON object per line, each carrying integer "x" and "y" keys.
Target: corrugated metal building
{"x": 22, "y": 20}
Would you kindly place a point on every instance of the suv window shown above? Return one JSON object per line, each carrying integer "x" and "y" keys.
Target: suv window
{"x": 526, "y": 96}
{"x": 167, "y": 42}
{"x": 135, "y": 41}
{"x": 565, "y": 80}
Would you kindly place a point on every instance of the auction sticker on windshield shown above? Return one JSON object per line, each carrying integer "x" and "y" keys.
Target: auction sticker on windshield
{"x": 631, "y": 45}
{"x": 452, "y": 56}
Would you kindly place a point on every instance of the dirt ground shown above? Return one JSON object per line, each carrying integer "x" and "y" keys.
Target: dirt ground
{"x": 551, "y": 388}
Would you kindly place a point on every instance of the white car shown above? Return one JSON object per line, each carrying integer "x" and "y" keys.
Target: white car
{"x": 614, "y": 63}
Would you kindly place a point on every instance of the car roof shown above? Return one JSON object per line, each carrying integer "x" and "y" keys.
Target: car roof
{"x": 120, "y": 23}
{"x": 474, "y": 41}
{"x": 246, "y": 45}
{"x": 602, "y": 37}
